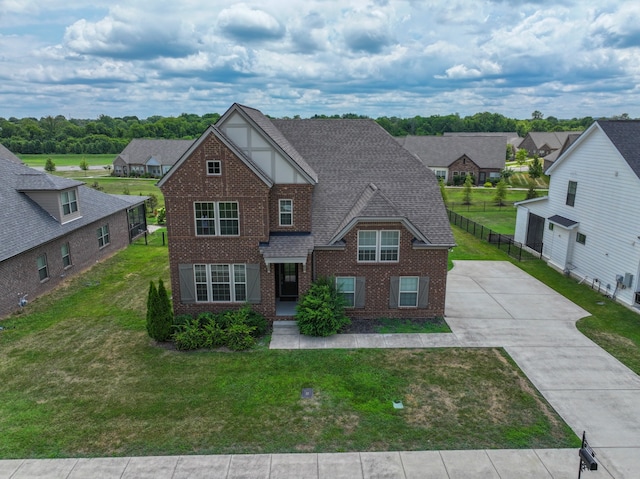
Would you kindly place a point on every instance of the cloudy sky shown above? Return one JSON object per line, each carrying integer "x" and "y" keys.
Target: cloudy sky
{"x": 566, "y": 58}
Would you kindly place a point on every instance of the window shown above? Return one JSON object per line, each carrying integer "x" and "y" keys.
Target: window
{"x": 220, "y": 283}
{"x": 43, "y": 270}
{"x": 347, "y": 288}
{"x": 69, "y": 202}
{"x": 219, "y": 218}
{"x": 408, "y": 293}
{"x": 66, "y": 255}
{"x": 378, "y": 246}
{"x": 571, "y": 193}
{"x": 550, "y": 226}
{"x": 214, "y": 167}
{"x": 286, "y": 212}
{"x": 103, "y": 236}
{"x": 441, "y": 174}
{"x": 581, "y": 238}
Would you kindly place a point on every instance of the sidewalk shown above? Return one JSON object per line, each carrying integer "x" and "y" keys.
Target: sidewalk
{"x": 478, "y": 464}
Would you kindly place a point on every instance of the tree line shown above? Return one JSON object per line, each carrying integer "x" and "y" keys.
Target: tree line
{"x": 59, "y": 135}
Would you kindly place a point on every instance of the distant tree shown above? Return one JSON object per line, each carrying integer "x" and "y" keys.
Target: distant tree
{"x": 531, "y": 191}
{"x": 506, "y": 174}
{"x": 84, "y": 165}
{"x": 501, "y": 192}
{"x": 537, "y": 115}
{"x": 151, "y": 203}
{"x": 510, "y": 153}
{"x": 49, "y": 166}
{"x": 443, "y": 190}
{"x": 521, "y": 156}
{"x": 467, "y": 190}
{"x": 535, "y": 168}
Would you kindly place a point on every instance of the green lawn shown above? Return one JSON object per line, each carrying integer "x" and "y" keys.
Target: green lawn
{"x": 67, "y": 159}
{"x": 80, "y": 377}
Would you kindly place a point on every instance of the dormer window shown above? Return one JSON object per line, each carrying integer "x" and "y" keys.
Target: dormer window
{"x": 69, "y": 201}
{"x": 214, "y": 167}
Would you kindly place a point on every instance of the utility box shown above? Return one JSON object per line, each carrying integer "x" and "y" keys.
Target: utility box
{"x": 627, "y": 281}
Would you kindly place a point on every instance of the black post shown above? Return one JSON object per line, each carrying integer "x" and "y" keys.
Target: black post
{"x": 163, "y": 238}
{"x": 145, "y": 238}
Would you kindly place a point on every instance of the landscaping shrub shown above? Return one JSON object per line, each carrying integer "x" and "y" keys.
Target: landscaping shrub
{"x": 189, "y": 336}
{"x": 213, "y": 335}
{"x": 240, "y": 336}
{"x": 488, "y": 184}
{"x": 320, "y": 311}
{"x": 180, "y": 320}
{"x": 159, "y": 313}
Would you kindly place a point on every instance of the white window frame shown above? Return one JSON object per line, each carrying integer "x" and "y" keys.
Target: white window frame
{"x": 103, "y": 236}
{"x": 581, "y": 236}
{"x": 406, "y": 291}
{"x": 236, "y": 281}
{"x": 219, "y": 222}
{"x": 69, "y": 199}
{"x": 283, "y": 213}
{"x": 380, "y": 249}
{"x": 65, "y": 252}
{"x": 344, "y": 292}
{"x": 571, "y": 195}
{"x": 41, "y": 263}
{"x": 214, "y": 167}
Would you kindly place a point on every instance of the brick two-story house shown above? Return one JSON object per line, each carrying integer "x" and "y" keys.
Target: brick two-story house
{"x": 259, "y": 208}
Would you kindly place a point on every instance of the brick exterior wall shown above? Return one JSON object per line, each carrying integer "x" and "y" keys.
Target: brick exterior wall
{"x": 464, "y": 166}
{"x": 258, "y": 214}
{"x": 412, "y": 262}
{"x": 19, "y": 275}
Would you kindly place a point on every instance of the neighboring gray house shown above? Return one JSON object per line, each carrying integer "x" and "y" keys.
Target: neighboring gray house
{"x": 54, "y": 227}
{"x": 453, "y": 157}
{"x": 150, "y": 157}
{"x": 512, "y": 137}
{"x": 588, "y": 225}
{"x": 543, "y": 143}
{"x": 553, "y": 156}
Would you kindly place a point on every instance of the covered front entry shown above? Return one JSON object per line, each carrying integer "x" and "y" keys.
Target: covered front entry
{"x": 287, "y": 281}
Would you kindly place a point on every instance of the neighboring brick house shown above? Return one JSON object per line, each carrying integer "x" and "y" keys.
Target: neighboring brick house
{"x": 258, "y": 208}
{"x": 54, "y": 227}
{"x": 149, "y": 157}
{"x": 453, "y": 157}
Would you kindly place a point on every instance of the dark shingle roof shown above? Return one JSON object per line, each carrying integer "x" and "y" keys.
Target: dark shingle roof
{"x": 625, "y": 136}
{"x": 562, "y": 221}
{"x": 350, "y": 155}
{"x": 167, "y": 152}
{"x": 25, "y": 225}
{"x": 484, "y": 151}
{"x": 554, "y": 139}
{"x": 6, "y": 154}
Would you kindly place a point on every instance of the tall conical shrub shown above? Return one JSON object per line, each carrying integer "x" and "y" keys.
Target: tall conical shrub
{"x": 158, "y": 312}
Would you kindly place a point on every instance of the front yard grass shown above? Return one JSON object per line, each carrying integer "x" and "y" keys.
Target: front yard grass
{"x": 80, "y": 377}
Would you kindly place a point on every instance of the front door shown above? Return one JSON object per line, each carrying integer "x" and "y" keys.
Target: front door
{"x": 287, "y": 278}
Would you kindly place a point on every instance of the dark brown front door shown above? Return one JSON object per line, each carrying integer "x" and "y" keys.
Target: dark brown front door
{"x": 287, "y": 278}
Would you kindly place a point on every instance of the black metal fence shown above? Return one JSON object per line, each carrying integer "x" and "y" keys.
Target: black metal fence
{"x": 480, "y": 206}
{"x": 504, "y": 242}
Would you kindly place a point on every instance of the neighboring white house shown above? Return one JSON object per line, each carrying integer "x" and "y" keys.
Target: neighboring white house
{"x": 589, "y": 224}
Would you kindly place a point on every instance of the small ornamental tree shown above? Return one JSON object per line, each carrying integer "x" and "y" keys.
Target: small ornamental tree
{"x": 320, "y": 311}
{"x": 443, "y": 190}
{"x": 501, "y": 192}
{"x": 159, "y": 314}
{"x": 521, "y": 156}
{"x": 467, "y": 191}
{"x": 84, "y": 165}
{"x": 49, "y": 166}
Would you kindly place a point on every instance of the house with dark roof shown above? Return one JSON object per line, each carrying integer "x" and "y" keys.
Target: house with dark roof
{"x": 543, "y": 143}
{"x": 258, "y": 208}
{"x": 554, "y": 155}
{"x": 587, "y": 226}
{"x": 149, "y": 157}
{"x": 6, "y": 154}
{"x": 54, "y": 227}
{"x": 453, "y": 157}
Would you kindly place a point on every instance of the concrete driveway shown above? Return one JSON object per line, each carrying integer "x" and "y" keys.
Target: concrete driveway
{"x": 497, "y": 304}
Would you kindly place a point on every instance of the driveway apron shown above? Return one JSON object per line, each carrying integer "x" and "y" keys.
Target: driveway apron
{"x": 497, "y": 304}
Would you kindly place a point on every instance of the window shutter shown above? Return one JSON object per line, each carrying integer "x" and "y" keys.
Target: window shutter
{"x": 359, "y": 301}
{"x": 187, "y": 283}
{"x": 423, "y": 292}
{"x": 253, "y": 283}
{"x": 394, "y": 291}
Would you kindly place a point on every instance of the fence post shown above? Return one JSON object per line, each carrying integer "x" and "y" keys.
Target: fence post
{"x": 163, "y": 238}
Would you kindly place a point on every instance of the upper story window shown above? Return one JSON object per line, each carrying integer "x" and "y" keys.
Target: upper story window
{"x": 43, "y": 270}
{"x": 214, "y": 167}
{"x": 286, "y": 212}
{"x": 69, "y": 202}
{"x": 571, "y": 193}
{"x": 217, "y": 218}
{"x": 378, "y": 246}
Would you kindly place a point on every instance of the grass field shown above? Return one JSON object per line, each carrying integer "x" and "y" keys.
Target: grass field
{"x": 80, "y": 377}
{"x": 67, "y": 160}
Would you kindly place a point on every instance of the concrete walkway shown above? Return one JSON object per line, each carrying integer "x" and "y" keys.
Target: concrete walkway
{"x": 488, "y": 304}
